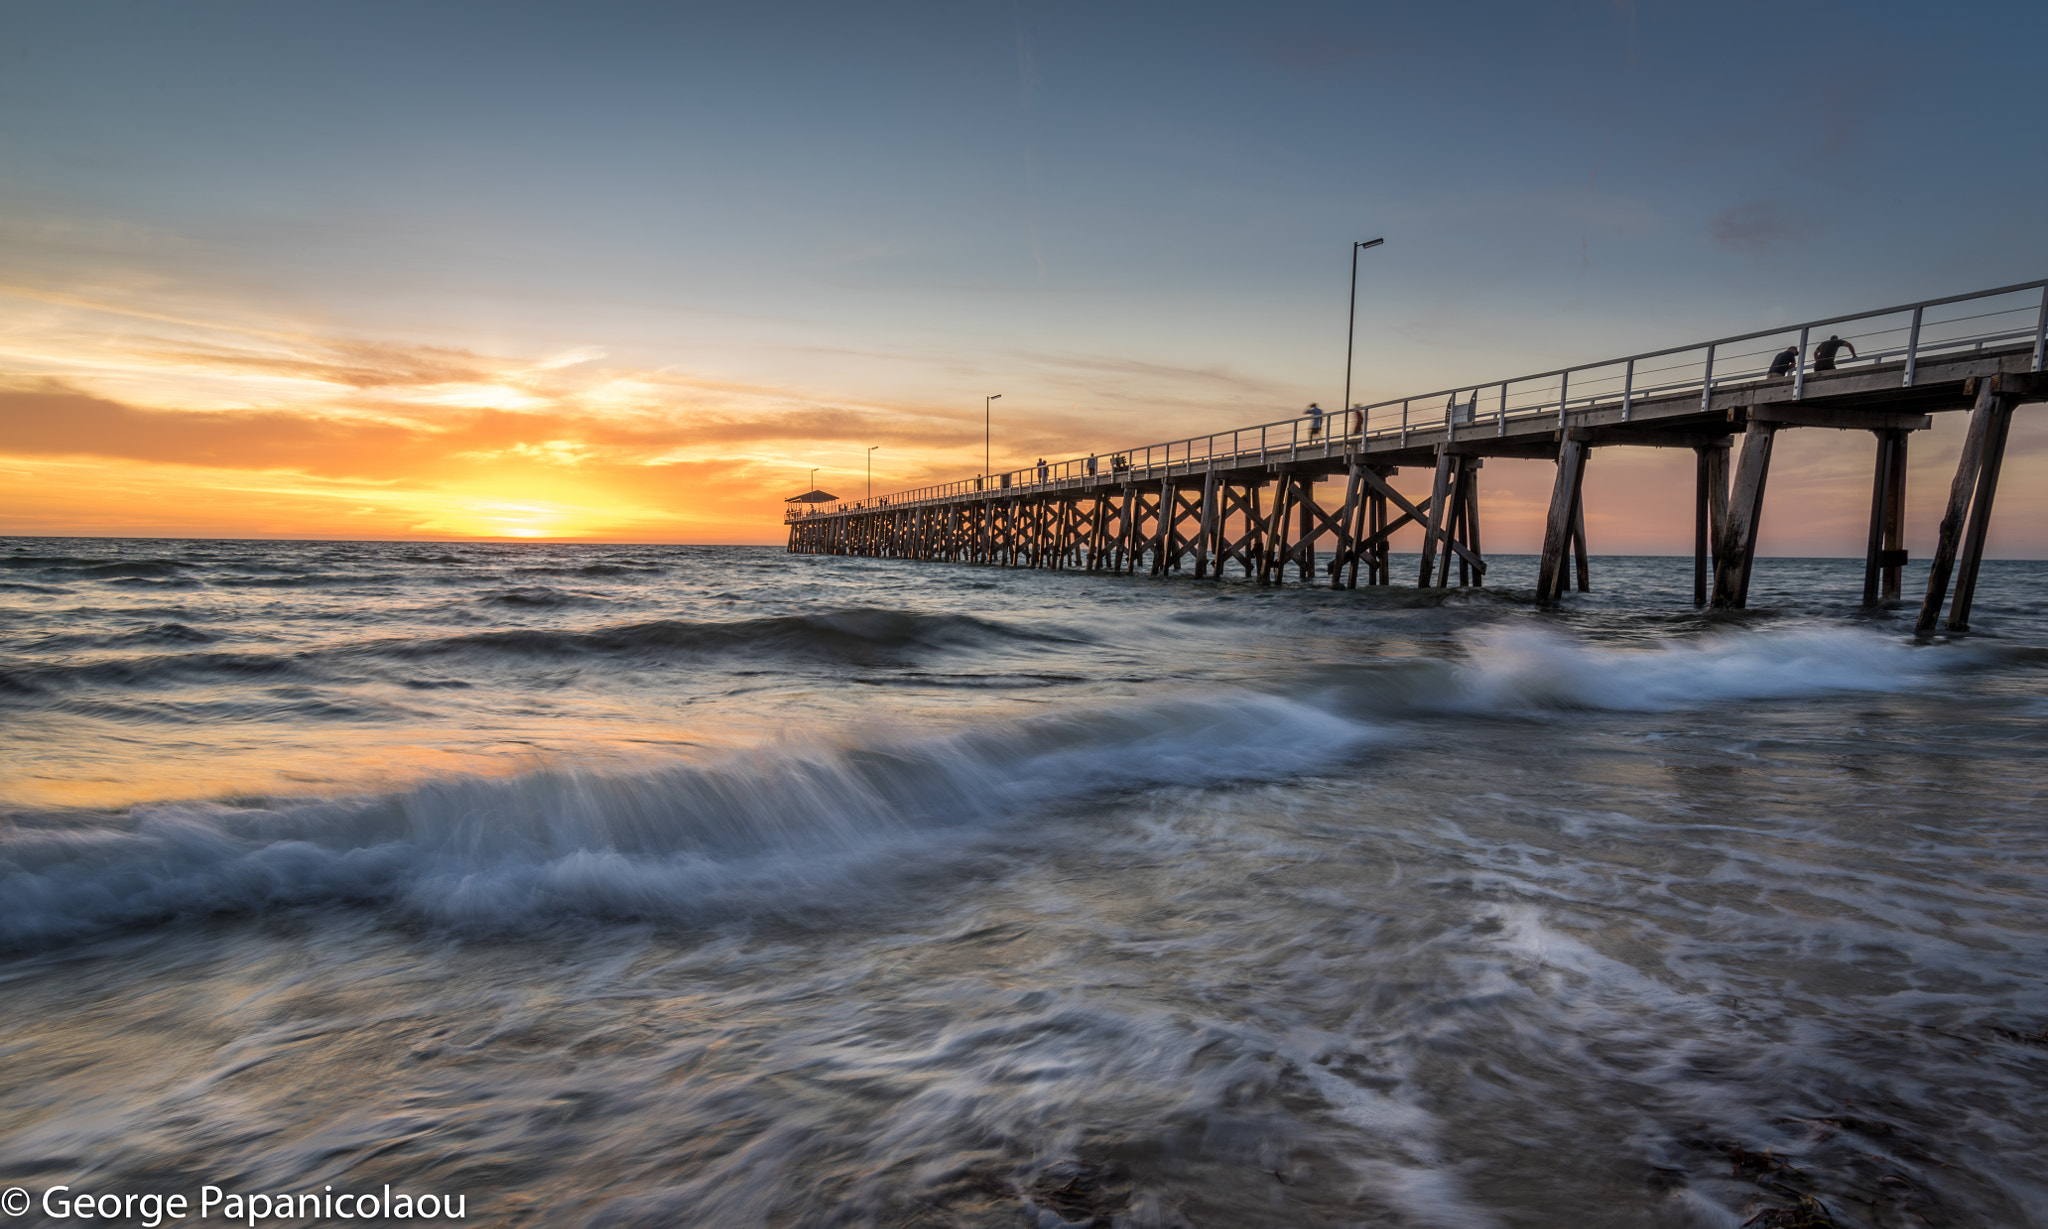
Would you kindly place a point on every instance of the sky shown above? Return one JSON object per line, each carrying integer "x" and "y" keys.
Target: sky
{"x": 628, "y": 272}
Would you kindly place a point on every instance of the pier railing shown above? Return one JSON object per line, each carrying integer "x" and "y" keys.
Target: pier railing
{"x": 1907, "y": 334}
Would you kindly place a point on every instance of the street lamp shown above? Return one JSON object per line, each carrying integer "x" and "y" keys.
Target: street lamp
{"x": 871, "y": 470}
{"x": 986, "y": 433}
{"x": 1351, "y": 325}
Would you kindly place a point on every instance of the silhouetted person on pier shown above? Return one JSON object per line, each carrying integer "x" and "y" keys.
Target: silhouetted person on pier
{"x": 1041, "y": 469}
{"x": 1786, "y": 360}
{"x": 1315, "y": 420}
{"x": 1091, "y": 467}
{"x": 1824, "y": 353}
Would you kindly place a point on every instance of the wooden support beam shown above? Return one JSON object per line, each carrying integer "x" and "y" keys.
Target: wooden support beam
{"x": 1381, "y": 536}
{"x": 1415, "y": 512}
{"x": 1882, "y": 490}
{"x": 1245, "y": 547}
{"x": 2022, "y": 387}
{"x": 1841, "y": 419}
{"x": 1305, "y": 541}
{"x": 1380, "y": 543}
{"x": 1272, "y": 553}
{"x": 1699, "y": 527}
{"x": 1557, "y": 527}
{"x": 1745, "y": 513}
{"x": 1438, "y": 491}
{"x": 1960, "y": 492}
{"x": 1894, "y": 557}
{"x": 1454, "y": 527}
{"x": 1478, "y": 578}
{"x": 1585, "y": 564}
{"x": 1643, "y": 437}
{"x": 1347, "y": 538}
{"x": 1717, "y": 500}
{"x": 1980, "y": 516}
{"x": 1162, "y": 531}
{"x": 1540, "y": 449}
{"x": 1187, "y": 510}
{"x": 1205, "y": 529}
{"x": 1314, "y": 524}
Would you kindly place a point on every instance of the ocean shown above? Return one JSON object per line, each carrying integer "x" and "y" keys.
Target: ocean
{"x": 701, "y": 886}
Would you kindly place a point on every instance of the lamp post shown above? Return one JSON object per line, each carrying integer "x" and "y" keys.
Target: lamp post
{"x": 871, "y": 471}
{"x": 813, "y": 483}
{"x": 1351, "y": 324}
{"x": 987, "y": 433}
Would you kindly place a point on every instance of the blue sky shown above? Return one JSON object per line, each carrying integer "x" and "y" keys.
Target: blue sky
{"x": 1134, "y": 221}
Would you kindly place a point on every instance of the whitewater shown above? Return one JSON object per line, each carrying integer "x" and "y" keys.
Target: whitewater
{"x": 645, "y": 885}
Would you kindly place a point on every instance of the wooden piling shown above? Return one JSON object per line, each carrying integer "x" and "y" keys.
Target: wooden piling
{"x": 1347, "y": 533}
{"x": 1439, "y": 490}
{"x": 1745, "y": 513}
{"x": 1980, "y": 516}
{"x": 1584, "y": 566}
{"x": 1473, "y": 464}
{"x": 1886, "y": 486}
{"x": 1699, "y": 526}
{"x": 1961, "y": 491}
{"x": 1557, "y": 529}
{"x": 1893, "y": 561}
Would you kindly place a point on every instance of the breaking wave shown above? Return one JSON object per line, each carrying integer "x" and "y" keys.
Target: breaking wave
{"x": 1513, "y": 669}
{"x": 778, "y": 830}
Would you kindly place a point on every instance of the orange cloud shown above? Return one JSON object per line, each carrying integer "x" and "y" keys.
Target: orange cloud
{"x": 151, "y": 421}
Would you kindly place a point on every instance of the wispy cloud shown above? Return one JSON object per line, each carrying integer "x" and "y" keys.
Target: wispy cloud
{"x": 1755, "y": 228}
{"x": 1311, "y": 51}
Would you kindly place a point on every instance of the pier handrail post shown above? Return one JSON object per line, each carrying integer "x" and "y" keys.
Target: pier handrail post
{"x": 1404, "y": 423}
{"x": 1799, "y": 371}
{"x": 2041, "y": 331}
{"x": 1628, "y": 390}
{"x": 1501, "y": 419}
{"x": 1564, "y": 395}
{"x": 1707, "y": 382}
{"x": 1913, "y": 346}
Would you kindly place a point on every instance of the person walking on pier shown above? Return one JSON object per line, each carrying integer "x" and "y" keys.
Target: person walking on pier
{"x": 1315, "y": 420}
{"x": 1786, "y": 360}
{"x": 1824, "y": 353}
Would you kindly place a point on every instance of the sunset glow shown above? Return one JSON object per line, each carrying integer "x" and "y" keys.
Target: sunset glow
{"x": 349, "y": 314}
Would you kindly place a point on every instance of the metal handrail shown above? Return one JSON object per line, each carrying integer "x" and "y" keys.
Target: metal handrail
{"x": 1287, "y": 434}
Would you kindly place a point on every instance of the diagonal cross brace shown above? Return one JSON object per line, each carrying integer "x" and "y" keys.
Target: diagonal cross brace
{"x": 1417, "y": 514}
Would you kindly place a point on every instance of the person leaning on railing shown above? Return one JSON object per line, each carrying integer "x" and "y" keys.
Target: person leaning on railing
{"x": 1824, "y": 353}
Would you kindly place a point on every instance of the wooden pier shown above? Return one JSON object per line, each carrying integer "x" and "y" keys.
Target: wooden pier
{"x": 1317, "y": 495}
